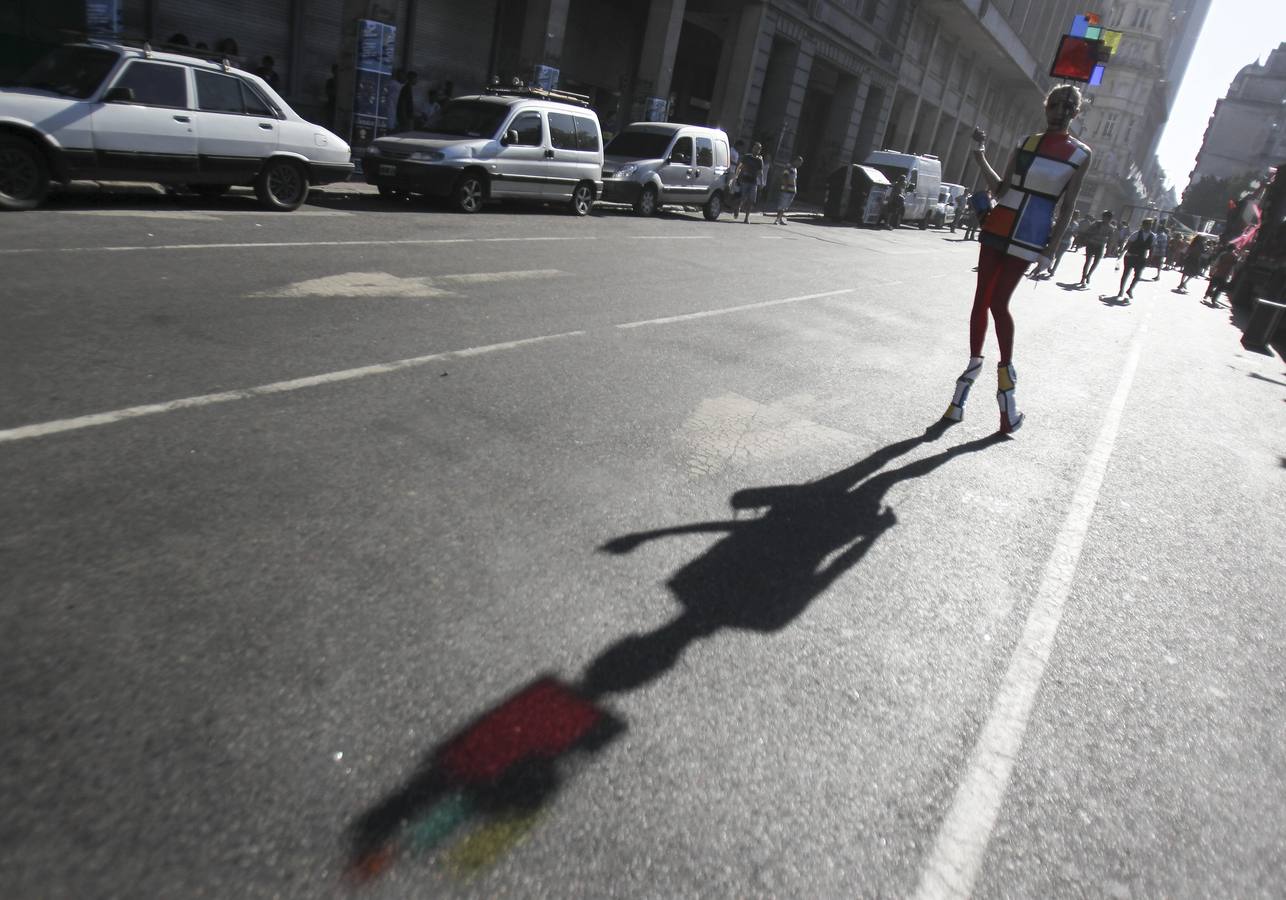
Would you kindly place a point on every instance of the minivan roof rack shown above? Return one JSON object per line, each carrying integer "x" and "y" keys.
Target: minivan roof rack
{"x": 537, "y": 93}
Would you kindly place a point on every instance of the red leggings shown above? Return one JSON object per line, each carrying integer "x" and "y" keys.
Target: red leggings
{"x": 998, "y": 275}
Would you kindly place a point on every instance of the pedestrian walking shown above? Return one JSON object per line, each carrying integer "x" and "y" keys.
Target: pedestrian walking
{"x": 1160, "y": 243}
{"x": 1220, "y": 274}
{"x": 1138, "y": 247}
{"x": 1094, "y": 238}
{"x": 749, "y": 170}
{"x": 1193, "y": 262}
{"x": 1044, "y": 173}
{"x": 786, "y": 189}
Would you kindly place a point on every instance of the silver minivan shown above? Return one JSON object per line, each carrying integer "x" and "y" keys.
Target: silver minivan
{"x": 522, "y": 144}
{"x": 649, "y": 164}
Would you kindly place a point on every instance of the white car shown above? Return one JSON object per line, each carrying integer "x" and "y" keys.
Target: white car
{"x": 108, "y": 112}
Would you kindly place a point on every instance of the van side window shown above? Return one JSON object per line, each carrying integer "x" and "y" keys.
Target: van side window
{"x": 721, "y": 153}
{"x": 156, "y": 84}
{"x": 562, "y": 131}
{"x": 705, "y": 152}
{"x": 682, "y": 152}
{"x": 586, "y": 134}
{"x": 528, "y": 127}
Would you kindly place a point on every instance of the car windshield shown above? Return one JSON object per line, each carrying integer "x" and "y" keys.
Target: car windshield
{"x": 70, "y": 71}
{"x": 639, "y": 145}
{"x": 471, "y": 118}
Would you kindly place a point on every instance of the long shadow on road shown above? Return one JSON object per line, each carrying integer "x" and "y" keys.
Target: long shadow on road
{"x": 479, "y": 792}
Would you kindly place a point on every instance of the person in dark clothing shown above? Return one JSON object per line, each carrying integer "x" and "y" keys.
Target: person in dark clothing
{"x": 1094, "y": 238}
{"x": 1220, "y": 274}
{"x": 406, "y": 103}
{"x": 268, "y": 73}
{"x": 748, "y": 171}
{"x": 332, "y": 95}
{"x": 1137, "y": 249}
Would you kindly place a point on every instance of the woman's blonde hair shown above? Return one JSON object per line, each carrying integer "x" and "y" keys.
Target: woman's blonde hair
{"x": 1065, "y": 89}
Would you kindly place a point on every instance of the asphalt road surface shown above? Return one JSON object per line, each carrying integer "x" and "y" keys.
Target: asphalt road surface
{"x": 382, "y": 551}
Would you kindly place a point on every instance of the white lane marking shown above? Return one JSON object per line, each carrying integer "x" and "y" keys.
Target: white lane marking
{"x": 497, "y": 277}
{"x": 288, "y": 244}
{"x": 671, "y": 237}
{"x": 961, "y": 844}
{"x": 384, "y": 285}
{"x": 279, "y": 387}
{"x": 666, "y": 320}
{"x": 205, "y": 215}
{"x": 732, "y": 309}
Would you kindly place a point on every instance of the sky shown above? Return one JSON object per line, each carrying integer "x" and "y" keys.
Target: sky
{"x": 1236, "y": 32}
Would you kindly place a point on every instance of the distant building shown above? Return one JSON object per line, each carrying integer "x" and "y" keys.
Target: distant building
{"x": 966, "y": 64}
{"x": 1128, "y": 111}
{"x": 1247, "y": 132}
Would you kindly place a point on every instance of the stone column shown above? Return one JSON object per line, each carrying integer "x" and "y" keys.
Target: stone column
{"x": 542, "y": 36}
{"x": 651, "y": 91}
{"x": 736, "y": 69}
{"x": 846, "y": 113}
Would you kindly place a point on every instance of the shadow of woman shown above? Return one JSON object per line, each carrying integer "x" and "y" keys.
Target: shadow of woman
{"x": 493, "y": 777}
{"x": 764, "y": 571}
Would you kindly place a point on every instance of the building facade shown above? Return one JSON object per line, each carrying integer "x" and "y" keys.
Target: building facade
{"x": 829, "y": 80}
{"x": 1128, "y": 111}
{"x": 1247, "y": 132}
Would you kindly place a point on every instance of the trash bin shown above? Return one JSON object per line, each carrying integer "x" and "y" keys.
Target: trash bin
{"x": 855, "y": 193}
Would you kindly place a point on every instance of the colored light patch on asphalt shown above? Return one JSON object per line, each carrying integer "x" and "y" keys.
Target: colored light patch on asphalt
{"x": 438, "y": 823}
{"x": 542, "y": 722}
{"x": 484, "y": 848}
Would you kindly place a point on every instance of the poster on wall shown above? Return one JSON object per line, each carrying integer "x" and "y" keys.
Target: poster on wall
{"x": 545, "y": 77}
{"x": 372, "y": 104}
{"x": 103, "y": 17}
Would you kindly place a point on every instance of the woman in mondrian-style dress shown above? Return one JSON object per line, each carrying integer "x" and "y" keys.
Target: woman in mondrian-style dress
{"x": 1044, "y": 175}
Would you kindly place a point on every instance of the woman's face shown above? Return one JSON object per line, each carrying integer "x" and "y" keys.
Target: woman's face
{"x": 1060, "y": 109}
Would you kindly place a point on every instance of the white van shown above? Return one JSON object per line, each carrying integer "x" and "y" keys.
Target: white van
{"x": 652, "y": 163}
{"x": 511, "y": 143}
{"x": 923, "y": 176}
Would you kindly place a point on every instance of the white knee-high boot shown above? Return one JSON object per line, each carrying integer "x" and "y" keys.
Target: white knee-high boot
{"x": 1007, "y": 380}
{"x": 955, "y": 411}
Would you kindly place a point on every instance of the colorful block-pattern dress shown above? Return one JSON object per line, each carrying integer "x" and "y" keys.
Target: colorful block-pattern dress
{"x": 1023, "y": 217}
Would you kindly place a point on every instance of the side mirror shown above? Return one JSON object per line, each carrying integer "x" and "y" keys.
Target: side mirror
{"x": 119, "y": 95}
{"x": 511, "y": 137}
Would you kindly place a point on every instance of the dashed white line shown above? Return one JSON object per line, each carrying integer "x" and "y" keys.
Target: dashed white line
{"x": 687, "y": 317}
{"x": 961, "y": 843}
{"x": 278, "y": 387}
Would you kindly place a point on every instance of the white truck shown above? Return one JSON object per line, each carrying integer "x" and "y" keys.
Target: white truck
{"x": 922, "y": 176}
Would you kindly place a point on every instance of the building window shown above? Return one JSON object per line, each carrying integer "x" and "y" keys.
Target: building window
{"x": 1118, "y": 14}
{"x": 870, "y": 9}
{"x": 1107, "y": 127}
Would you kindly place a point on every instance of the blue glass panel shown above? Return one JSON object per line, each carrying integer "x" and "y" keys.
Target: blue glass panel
{"x": 1079, "y": 25}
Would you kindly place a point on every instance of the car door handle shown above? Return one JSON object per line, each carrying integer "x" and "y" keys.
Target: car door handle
{"x": 549, "y": 154}
{"x": 265, "y": 126}
{"x": 183, "y": 118}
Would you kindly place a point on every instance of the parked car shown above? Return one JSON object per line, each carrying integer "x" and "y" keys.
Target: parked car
{"x": 945, "y": 208}
{"x": 923, "y": 176}
{"x": 649, "y": 164}
{"x": 110, "y": 112}
{"x": 520, "y": 143}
